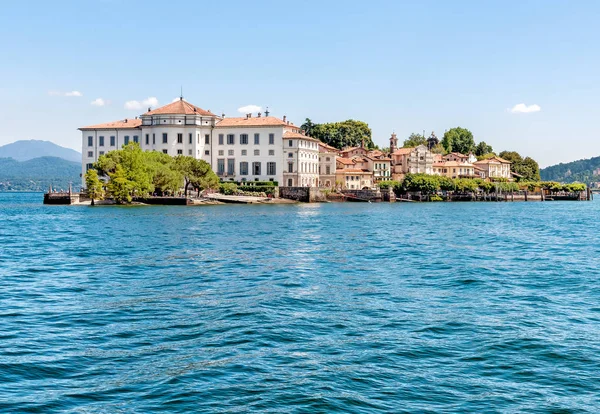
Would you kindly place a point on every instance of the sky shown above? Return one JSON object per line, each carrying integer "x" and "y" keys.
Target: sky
{"x": 522, "y": 75}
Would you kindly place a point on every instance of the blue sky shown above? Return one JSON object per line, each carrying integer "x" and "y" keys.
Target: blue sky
{"x": 403, "y": 66}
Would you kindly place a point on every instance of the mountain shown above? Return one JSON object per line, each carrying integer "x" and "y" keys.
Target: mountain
{"x": 582, "y": 171}
{"x": 38, "y": 174}
{"x": 28, "y": 150}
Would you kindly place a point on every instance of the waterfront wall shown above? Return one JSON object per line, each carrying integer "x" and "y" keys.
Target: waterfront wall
{"x": 363, "y": 195}
{"x": 304, "y": 194}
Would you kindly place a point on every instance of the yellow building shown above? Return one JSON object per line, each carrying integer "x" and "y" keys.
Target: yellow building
{"x": 454, "y": 169}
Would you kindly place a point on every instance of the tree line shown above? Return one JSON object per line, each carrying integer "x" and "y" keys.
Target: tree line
{"x": 131, "y": 172}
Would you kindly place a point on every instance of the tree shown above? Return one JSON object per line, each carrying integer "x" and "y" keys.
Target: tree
{"x": 120, "y": 186}
{"x": 93, "y": 185}
{"x": 414, "y": 140}
{"x": 482, "y": 148}
{"x": 446, "y": 183}
{"x": 308, "y": 127}
{"x": 348, "y": 133}
{"x": 458, "y": 140}
{"x": 424, "y": 183}
{"x": 527, "y": 168}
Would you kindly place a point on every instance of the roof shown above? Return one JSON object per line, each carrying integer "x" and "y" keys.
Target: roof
{"x": 376, "y": 153}
{"x": 179, "y": 107}
{"x": 353, "y": 170}
{"x": 502, "y": 160}
{"x": 328, "y": 147}
{"x": 403, "y": 151}
{"x": 457, "y": 154}
{"x": 290, "y": 134}
{"x": 346, "y": 161}
{"x": 121, "y": 124}
{"x": 493, "y": 160}
{"x": 264, "y": 121}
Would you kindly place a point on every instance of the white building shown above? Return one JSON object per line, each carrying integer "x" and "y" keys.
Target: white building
{"x": 238, "y": 149}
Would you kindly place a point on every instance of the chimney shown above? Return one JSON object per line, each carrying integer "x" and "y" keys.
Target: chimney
{"x": 288, "y": 122}
{"x": 125, "y": 120}
{"x": 149, "y": 109}
{"x": 284, "y": 117}
{"x": 223, "y": 115}
{"x": 303, "y": 132}
{"x": 250, "y": 115}
{"x": 259, "y": 114}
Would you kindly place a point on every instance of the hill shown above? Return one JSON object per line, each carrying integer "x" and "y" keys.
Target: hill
{"x": 38, "y": 174}
{"x": 28, "y": 150}
{"x": 582, "y": 170}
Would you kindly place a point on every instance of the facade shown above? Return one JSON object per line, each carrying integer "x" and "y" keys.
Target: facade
{"x": 417, "y": 160}
{"x": 260, "y": 148}
{"x": 380, "y": 165}
{"x": 327, "y": 165}
{"x": 454, "y": 169}
{"x": 458, "y": 157}
{"x": 494, "y": 167}
{"x": 353, "y": 174}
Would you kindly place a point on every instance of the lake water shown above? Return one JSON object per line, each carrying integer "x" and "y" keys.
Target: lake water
{"x": 438, "y": 307}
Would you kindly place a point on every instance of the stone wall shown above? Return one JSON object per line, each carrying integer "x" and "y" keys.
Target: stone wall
{"x": 304, "y": 194}
{"x": 363, "y": 195}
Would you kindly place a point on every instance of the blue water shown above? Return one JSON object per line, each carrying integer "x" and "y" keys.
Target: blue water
{"x": 359, "y": 308}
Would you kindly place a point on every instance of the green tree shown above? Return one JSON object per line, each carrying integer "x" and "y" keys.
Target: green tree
{"x": 527, "y": 168}
{"x": 423, "y": 183}
{"x": 482, "y": 149}
{"x": 348, "y": 133}
{"x": 446, "y": 183}
{"x": 120, "y": 186}
{"x": 308, "y": 127}
{"x": 93, "y": 185}
{"x": 414, "y": 140}
{"x": 458, "y": 140}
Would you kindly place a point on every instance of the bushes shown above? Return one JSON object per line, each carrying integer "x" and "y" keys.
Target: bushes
{"x": 436, "y": 197}
{"x": 266, "y": 189}
{"x": 228, "y": 188}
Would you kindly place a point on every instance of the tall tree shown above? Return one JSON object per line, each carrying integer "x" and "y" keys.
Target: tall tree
{"x": 527, "y": 167}
{"x": 308, "y": 127}
{"x": 482, "y": 148}
{"x": 93, "y": 185}
{"x": 414, "y": 140}
{"x": 348, "y": 133}
{"x": 120, "y": 186}
{"x": 458, "y": 140}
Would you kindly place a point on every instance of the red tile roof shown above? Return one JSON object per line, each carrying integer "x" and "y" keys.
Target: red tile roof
{"x": 403, "y": 151}
{"x": 345, "y": 161}
{"x": 179, "y": 107}
{"x": 327, "y": 147}
{"x": 289, "y": 134}
{"x": 122, "y": 124}
{"x": 263, "y": 121}
{"x": 353, "y": 170}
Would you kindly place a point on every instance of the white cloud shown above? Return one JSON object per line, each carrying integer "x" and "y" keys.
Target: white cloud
{"x": 525, "y": 109}
{"x": 150, "y": 101}
{"x": 175, "y": 100}
{"x": 99, "y": 102}
{"x": 69, "y": 94}
{"x": 249, "y": 109}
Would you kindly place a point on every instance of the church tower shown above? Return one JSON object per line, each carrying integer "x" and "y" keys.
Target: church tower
{"x": 393, "y": 143}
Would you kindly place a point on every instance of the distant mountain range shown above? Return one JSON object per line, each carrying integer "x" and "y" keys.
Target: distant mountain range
{"x": 36, "y": 165}
{"x": 584, "y": 171}
{"x": 28, "y": 150}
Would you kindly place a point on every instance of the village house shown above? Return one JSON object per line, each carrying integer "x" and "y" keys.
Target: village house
{"x": 454, "y": 169}
{"x": 353, "y": 174}
{"x": 327, "y": 165}
{"x": 458, "y": 157}
{"x": 494, "y": 167}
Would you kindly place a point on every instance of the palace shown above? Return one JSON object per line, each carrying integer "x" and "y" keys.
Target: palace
{"x": 250, "y": 148}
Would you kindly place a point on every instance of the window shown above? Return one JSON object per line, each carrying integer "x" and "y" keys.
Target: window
{"x": 271, "y": 139}
{"x": 179, "y": 152}
{"x": 180, "y": 138}
{"x": 327, "y": 159}
{"x": 112, "y": 141}
{"x": 244, "y": 152}
{"x": 221, "y": 153}
{"x": 230, "y": 152}
{"x": 189, "y": 152}
{"x": 220, "y": 166}
{"x": 136, "y": 139}
{"x": 243, "y": 168}
{"x": 165, "y": 151}
{"x": 290, "y": 182}
{"x": 256, "y": 139}
{"x": 126, "y": 139}
{"x": 256, "y": 152}
{"x": 243, "y": 139}
{"x": 207, "y": 139}
{"x": 101, "y": 152}
{"x": 271, "y": 168}
{"x": 230, "y": 166}
{"x": 328, "y": 170}
{"x": 90, "y": 154}
{"x": 290, "y": 167}
{"x": 271, "y": 152}
{"x": 101, "y": 141}
{"x": 290, "y": 155}
{"x": 165, "y": 138}
{"x": 221, "y": 139}
{"x": 147, "y": 139}
{"x": 230, "y": 139}
{"x": 256, "y": 168}
{"x": 153, "y": 139}
{"x": 207, "y": 152}
{"x": 90, "y": 141}
{"x": 290, "y": 143}
{"x": 88, "y": 166}
{"x": 191, "y": 137}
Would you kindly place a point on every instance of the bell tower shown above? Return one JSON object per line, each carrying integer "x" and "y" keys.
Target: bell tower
{"x": 393, "y": 143}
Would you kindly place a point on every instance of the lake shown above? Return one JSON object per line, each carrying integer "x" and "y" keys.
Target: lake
{"x": 349, "y": 307}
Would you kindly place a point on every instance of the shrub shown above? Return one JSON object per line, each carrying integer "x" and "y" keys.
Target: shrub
{"x": 436, "y": 197}
{"x": 228, "y": 188}
{"x": 267, "y": 189}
